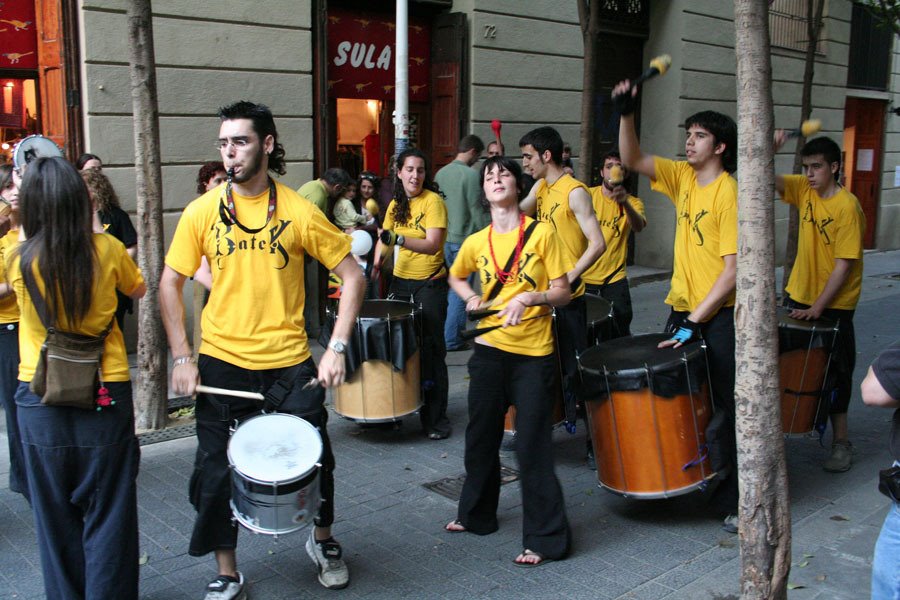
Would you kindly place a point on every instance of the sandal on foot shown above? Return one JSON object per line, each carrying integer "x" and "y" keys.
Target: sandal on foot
{"x": 455, "y": 526}
{"x": 528, "y": 565}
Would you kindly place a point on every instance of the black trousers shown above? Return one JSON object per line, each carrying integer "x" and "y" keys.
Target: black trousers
{"x": 843, "y": 359}
{"x": 718, "y": 333}
{"x": 619, "y": 295}
{"x": 210, "y": 486}
{"x": 498, "y": 379}
{"x": 432, "y": 295}
{"x": 571, "y": 332}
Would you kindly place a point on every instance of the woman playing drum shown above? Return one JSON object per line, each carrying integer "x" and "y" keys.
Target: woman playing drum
{"x": 513, "y": 364}
{"x": 82, "y": 464}
{"x": 416, "y": 221}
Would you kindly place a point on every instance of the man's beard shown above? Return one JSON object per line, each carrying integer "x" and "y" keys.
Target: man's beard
{"x": 251, "y": 169}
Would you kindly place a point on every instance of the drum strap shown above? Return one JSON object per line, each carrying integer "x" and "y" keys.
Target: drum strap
{"x": 509, "y": 263}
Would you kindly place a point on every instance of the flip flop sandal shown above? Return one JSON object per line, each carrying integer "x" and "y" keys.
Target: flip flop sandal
{"x": 455, "y": 522}
{"x": 529, "y": 565}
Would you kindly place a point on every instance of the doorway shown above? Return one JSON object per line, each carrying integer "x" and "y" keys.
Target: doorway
{"x": 863, "y": 145}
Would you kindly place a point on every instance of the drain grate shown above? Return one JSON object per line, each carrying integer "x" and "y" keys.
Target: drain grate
{"x": 179, "y": 403}
{"x": 165, "y": 435}
{"x": 451, "y": 487}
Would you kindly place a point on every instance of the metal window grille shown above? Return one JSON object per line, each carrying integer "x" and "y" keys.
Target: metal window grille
{"x": 787, "y": 26}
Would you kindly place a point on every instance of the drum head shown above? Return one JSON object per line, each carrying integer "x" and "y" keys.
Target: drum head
{"x": 385, "y": 309}
{"x": 32, "y": 148}
{"x": 787, "y": 322}
{"x": 627, "y": 355}
{"x": 274, "y": 447}
{"x": 598, "y": 308}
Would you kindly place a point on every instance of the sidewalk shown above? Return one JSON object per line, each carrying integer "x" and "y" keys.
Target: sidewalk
{"x": 391, "y": 526}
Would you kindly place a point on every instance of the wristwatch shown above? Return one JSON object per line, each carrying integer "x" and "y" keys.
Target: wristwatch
{"x": 339, "y": 346}
{"x": 400, "y": 240}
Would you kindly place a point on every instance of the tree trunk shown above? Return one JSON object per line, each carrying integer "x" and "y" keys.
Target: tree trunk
{"x": 813, "y": 30}
{"x": 150, "y": 391}
{"x": 589, "y": 18}
{"x": 765, "y": 538}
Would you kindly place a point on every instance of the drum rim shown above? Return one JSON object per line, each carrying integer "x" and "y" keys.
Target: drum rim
{"x": 787, "y": 322}
{"x": 234, "y": 467}
{"x": 413, "y": 311}
{"x": 688, "y": 352}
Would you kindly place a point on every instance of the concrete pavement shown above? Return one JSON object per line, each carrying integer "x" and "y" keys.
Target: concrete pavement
{"x": 391, "y": 526}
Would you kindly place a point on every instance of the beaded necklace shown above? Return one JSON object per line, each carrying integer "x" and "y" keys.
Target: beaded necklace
{"x": 505, "y": 277}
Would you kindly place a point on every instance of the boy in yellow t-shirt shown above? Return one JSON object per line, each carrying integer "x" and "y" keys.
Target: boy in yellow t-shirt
{"x": 826, "y": 279}
{"x": 562, "y": 201}
{"x": 705, "y": 260}
{"x": 618, "y": 213}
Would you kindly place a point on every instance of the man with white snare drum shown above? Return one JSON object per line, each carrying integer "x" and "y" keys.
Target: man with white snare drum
{"x": 255, "y": 233}
{"x": 513, "y": 363}
{"x": 827, "y": 276}
{"x": 619, "y": 213}
{"x": 705, "y": 258}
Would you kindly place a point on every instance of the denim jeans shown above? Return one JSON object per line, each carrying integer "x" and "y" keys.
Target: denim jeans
{"x": 886, "y": 562}
{"x": 82, "y": 471}
{"x": 456, "y": 308}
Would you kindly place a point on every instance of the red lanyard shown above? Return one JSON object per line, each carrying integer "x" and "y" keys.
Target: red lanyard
{"x": 505, "y": 277}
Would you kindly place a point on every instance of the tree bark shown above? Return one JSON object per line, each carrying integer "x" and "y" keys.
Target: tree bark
{"x": 765, "y": 538}
{"x": 813, "y": 31}
{"x": 150, "y": 390}
{"x": 589, "y": 18}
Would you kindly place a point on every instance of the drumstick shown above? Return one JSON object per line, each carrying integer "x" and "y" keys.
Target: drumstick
{"x": 208, "y": 389}
{"x": 495, "y": 126}
{"x": 474, "y": 333}
{"x": 480, "y": 313}
{"x": 616, "y": 175}
{"x": 658, "y": 66}
{"x": 806, "y": 129}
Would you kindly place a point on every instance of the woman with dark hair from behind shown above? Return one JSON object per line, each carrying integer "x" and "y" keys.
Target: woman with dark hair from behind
{"x": 82, "y": 464}
{"x": 114, "y": 221}
{"x": 416, "y": 221}
{"x": 9, "y": 333}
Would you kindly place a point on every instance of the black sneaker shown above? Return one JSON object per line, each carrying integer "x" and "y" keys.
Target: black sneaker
{"x": 224, "y": 587}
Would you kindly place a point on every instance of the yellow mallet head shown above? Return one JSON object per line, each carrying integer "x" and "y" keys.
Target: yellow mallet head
{"x": 661, "y": 63}
{"x": 372, "y": 206}
{"x": 616, "y": 175}
{"x": 810, "y": 127}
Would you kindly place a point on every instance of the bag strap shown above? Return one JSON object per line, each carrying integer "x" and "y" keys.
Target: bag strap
{"x": 509, "y": 263}
{"x": 40, "y": 307}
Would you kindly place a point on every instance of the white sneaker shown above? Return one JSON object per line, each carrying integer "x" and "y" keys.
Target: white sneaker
{"x": 333, "y": 572}
{"x": 226, "y": 588}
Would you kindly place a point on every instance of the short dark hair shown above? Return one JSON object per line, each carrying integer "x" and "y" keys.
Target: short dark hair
{"x": 505, "y": 163}
{"x": 827, "y": 147}
{"x": 470, "y": 142}
{"x": 335, "y": 176}
{"x": 207, "y": 171}
{"x": 263, "y": 125}
{"x": 84, "y": 158}
{"x": 496, "y": 143}
{"x": 543, "y": 139}
{"x": 610, "y": 154}
{"x": 724, "y": 131}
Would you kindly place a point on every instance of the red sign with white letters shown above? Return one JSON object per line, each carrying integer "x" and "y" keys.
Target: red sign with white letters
{"x": 361, "y": 56}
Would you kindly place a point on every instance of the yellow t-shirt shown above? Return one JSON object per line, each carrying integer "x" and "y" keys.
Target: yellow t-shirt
{"x": 829, "y": 229}
{"x": 115, "y": 270}
{"x": 553, "y": 208}
{"x": 615, "y": 227}
{"x": 254, "y": 317}
{"x": 705, "y": 230}
{"x": 9, "y": 308}
{"x": 543, "y": 259}
{"x": 426, "y": 211}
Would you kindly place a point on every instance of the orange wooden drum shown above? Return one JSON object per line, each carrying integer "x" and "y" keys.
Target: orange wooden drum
{"x": 804, "y": 357}
{"x": 384, "y": 382}
{"x": 648, "y": 409}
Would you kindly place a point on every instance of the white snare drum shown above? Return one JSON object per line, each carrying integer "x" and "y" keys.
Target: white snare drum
{"x": 275, "y": 461}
